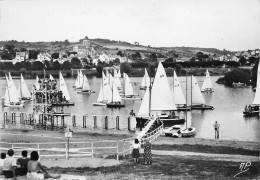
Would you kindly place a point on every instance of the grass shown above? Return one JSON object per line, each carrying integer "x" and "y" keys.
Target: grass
{"x": 167, "y": 167}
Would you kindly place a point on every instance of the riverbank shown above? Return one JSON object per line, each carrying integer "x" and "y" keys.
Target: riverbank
{"x": 181, "y": 158}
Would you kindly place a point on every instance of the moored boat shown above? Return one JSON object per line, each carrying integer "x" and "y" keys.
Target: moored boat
{"x": 207, "y": 85}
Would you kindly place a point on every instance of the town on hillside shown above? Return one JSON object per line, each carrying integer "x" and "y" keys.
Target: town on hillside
{"x": 91, "y": 53}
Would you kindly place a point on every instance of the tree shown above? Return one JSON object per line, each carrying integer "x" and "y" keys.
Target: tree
{"x": 254, "y": 73}
{"x": 237, "y": 75}
{"x": 153, "y": 57}
{"x": 55, "y": 55}
{"x": 99, "y": 70}
{"x": 66, "y": 65}
{"x": 151, "y": 69}
{"x": 119, "y": 53}
{"x": 177, "y": 69}
{"x": 23, "y": 49}
{"x": 252, "y": 60}
{"x": 17, "y": 66}
{"x": 125, "y": 67}
{"x": 75, "y": 63}
{"x": 56, "y": 65}
{"x": 242, "y": 60}
{"x": 37, "y": 65}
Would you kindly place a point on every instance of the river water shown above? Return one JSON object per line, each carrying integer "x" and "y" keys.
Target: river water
{"x": 228, "y": 102}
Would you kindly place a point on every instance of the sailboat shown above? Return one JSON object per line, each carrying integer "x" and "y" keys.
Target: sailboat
{"x": 158, "y": 100}
{"x": 145, "y": 81}
{"x": 23, "y": 92}
{"x": 178, "y": 95}
{"x": 128, "y": 92}
{"x": 104, "y": 92}
{"x": 197, "y": 100}
{"x": 51, "y": 78}
{"x": 114, "y": 99}
{"x": 11, "y": 98}
{"x": 85, "y": 86}
{"x": 187, "y": 132}
{"x": 207, "y": 85}
{"x": 254, "y": 108}
{"x": 76, "y": 79}
{"x": 65, "y": 93}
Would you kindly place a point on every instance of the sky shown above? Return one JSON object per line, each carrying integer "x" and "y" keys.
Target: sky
{"x": 230, "y": 24}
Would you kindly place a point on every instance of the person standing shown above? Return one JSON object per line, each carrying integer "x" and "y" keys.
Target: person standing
{"x": 147, "y": 152}
{"x": 136, "y": 154}
{"x": 9, "y": 165}
{"x": 216, "y": 127}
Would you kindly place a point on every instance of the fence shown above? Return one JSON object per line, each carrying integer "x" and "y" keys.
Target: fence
{"x": 80, "y": 149}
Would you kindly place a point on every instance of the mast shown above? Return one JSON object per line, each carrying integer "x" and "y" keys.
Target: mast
{"x": 103, "y": 85}
{"x": 150, "y": 96}
{"x": 21, "y": 92}
{"x": 186, "y": 101}
{"x": 191, "y": 92}
{"x": 112, "y": 91}
{"x": 124, "y": 84}
{"x": 173, "y": 84}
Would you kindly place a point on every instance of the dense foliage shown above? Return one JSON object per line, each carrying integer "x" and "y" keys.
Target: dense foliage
{"x": 237, "y": 75}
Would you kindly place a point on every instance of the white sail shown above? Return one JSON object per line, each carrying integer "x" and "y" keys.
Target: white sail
{"x": 114, "y": 95}
{"x": 23, "y": 91}
{"x": 161, "y": 95}
{"x": 256, "y": 100}
{"x": 79, "y": 82}
{"x": 144, "y": 108}
{"x": 128, "y": 88}
{"x": 110, "y": 80}
{"x": 12, "y": 91}
{"x": 51, "y": 78}
{"x": 63, "y": 88}
{"x": 197, "y": 97}
{"x": 85, "y": 85}
{"x": 7, "y": 96}
{"x": 104, "y": 91}
{"x": 178, "y": 95}
{"x": 117, "y": 79}
{"x": 37, "y": 85}
{"x": 77, "y": 79}
{"x": 207, "y": 82}
{"x": 146, "y": 79}
{"x": 100, "y": 95}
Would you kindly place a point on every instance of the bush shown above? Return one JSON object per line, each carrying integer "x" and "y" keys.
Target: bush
{"x": 23, "y": 71}
{"x": 68, "y": 75}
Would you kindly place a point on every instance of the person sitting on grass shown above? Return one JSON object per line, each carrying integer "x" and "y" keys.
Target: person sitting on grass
{"x": 22, "y": 164}
{"x": 35, "y": 169}
{"x": 9, "y": 165}
{"x": 3, "y": 156}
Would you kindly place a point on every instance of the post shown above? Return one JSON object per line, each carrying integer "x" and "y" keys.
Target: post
{"x": 106, "y": 122}
{"x": 38, "y": 147}
{"x": 95, "y": 122}
{"x": 124, "y": 149}
{"x": 117, "y": 155}
{"x": 92, "y": 149}
{"x": 66, "y": 146}
{"x": 117, "y": 122}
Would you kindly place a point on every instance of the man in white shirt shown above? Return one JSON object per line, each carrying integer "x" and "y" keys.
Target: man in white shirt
{"x": 9, "y": 165}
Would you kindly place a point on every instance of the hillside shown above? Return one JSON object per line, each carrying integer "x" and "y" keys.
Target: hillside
{"x": 107, "y": 44}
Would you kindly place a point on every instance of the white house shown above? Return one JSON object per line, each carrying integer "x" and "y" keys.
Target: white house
{"x": 43, "y": 56}
{"x": 20, "y": 56}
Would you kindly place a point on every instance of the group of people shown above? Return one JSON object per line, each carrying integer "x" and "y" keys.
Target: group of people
{"x": 136, "y": 146}
{"x": 31, "y": 167}
{"x": 250, "y": 108}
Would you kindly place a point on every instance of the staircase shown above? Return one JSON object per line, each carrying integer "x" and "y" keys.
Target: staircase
{"x": 150, "y": 136}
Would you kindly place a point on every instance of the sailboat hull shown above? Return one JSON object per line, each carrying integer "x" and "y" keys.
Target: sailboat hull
{"x": 85, "y": 92}
{"x": 12, "y": 105}
{"x": 202, "y": 107}
{"x": 167, "y": 121}
{"x": 207, "y": 90}
{"x": 63, "y": 104}
{"x": 142, "y": 87}
{"x": 251, "y": 113}
{"x": 99, "y": 104}
{"x": 115, "y": 105}
{"x": 183, "y": 108}
{"x": 189, "y": 132}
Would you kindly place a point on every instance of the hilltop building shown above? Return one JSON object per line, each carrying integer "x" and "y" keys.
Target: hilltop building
{"x": 43, "y": 56}
{"x": 20, "y": 56}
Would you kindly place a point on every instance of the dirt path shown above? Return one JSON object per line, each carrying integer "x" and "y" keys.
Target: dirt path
{"x": 216, "y": 157}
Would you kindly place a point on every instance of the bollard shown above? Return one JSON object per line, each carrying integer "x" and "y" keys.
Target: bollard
{"x": 129, "y": 123}
{"x": 117, "y": 122}
{"x": 62, "y": 121}
{"x": 13, "y": 118}
{"x": 84, "y": 122}
{"x": 21, "y": 118}
{"x": 5, "y": 117}
{"x": 95, "y": 122}
{"x": 106, "y": 122}
{"x": 74, "y": 120}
